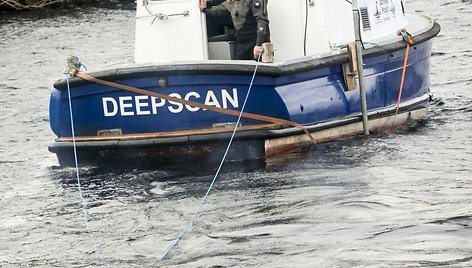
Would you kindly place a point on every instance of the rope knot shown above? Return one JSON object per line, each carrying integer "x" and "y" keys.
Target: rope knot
{"x": 73, "y": 65}
{"x": 407, "y": 37}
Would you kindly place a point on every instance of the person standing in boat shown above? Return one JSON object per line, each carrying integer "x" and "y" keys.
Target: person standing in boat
{"x": 251, "y": 24}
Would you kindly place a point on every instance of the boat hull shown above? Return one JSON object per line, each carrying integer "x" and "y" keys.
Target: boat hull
{"x": 209, "y": 147}
{"x": 111, "y": 124}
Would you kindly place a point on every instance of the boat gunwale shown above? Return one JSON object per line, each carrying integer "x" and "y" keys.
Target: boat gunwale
{"x": 238, "y": 68}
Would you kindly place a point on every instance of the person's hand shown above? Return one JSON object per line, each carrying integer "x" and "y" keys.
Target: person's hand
{"x": 258, "y": 50}
{"x": 202, "y": 5}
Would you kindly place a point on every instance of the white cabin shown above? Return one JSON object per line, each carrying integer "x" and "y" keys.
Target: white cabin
{"x": 176, "y": 30}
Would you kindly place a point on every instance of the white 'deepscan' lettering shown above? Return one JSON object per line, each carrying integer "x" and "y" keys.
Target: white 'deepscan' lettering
{"x": 147, "y": 105}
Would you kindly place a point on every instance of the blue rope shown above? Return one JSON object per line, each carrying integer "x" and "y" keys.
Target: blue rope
{"x": 194, "y": 216}
{"x": 83, "y": 202}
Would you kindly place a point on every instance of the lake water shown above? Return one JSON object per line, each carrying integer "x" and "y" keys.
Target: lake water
{"x": 399, "y": 199}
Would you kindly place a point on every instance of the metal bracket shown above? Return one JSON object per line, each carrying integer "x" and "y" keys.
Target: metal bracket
{"x": 163, "y": 16}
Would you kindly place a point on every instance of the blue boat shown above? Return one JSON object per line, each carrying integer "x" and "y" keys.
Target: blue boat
{"x": 182, "y": 97}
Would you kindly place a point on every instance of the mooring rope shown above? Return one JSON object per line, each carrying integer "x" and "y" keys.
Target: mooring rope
{"x": 194, "y": 216}
{"x": 79, "y": 185}
{"x": 75, "y": 72}
{"x": 409, "y": 42}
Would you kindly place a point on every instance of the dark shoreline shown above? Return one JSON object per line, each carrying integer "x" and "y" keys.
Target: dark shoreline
{"x": 27, "y": 6}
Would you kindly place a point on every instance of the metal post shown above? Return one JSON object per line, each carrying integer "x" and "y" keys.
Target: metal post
{"x": 360, "y": 67}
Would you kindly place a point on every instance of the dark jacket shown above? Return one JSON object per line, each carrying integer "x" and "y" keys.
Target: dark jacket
{"x": 250, "y": 20}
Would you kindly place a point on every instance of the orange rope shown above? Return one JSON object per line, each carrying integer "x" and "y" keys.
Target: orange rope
{"x": 405, "y": 63}
{"x": 409, "y": 42}
{"x": 191, "y": 103}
